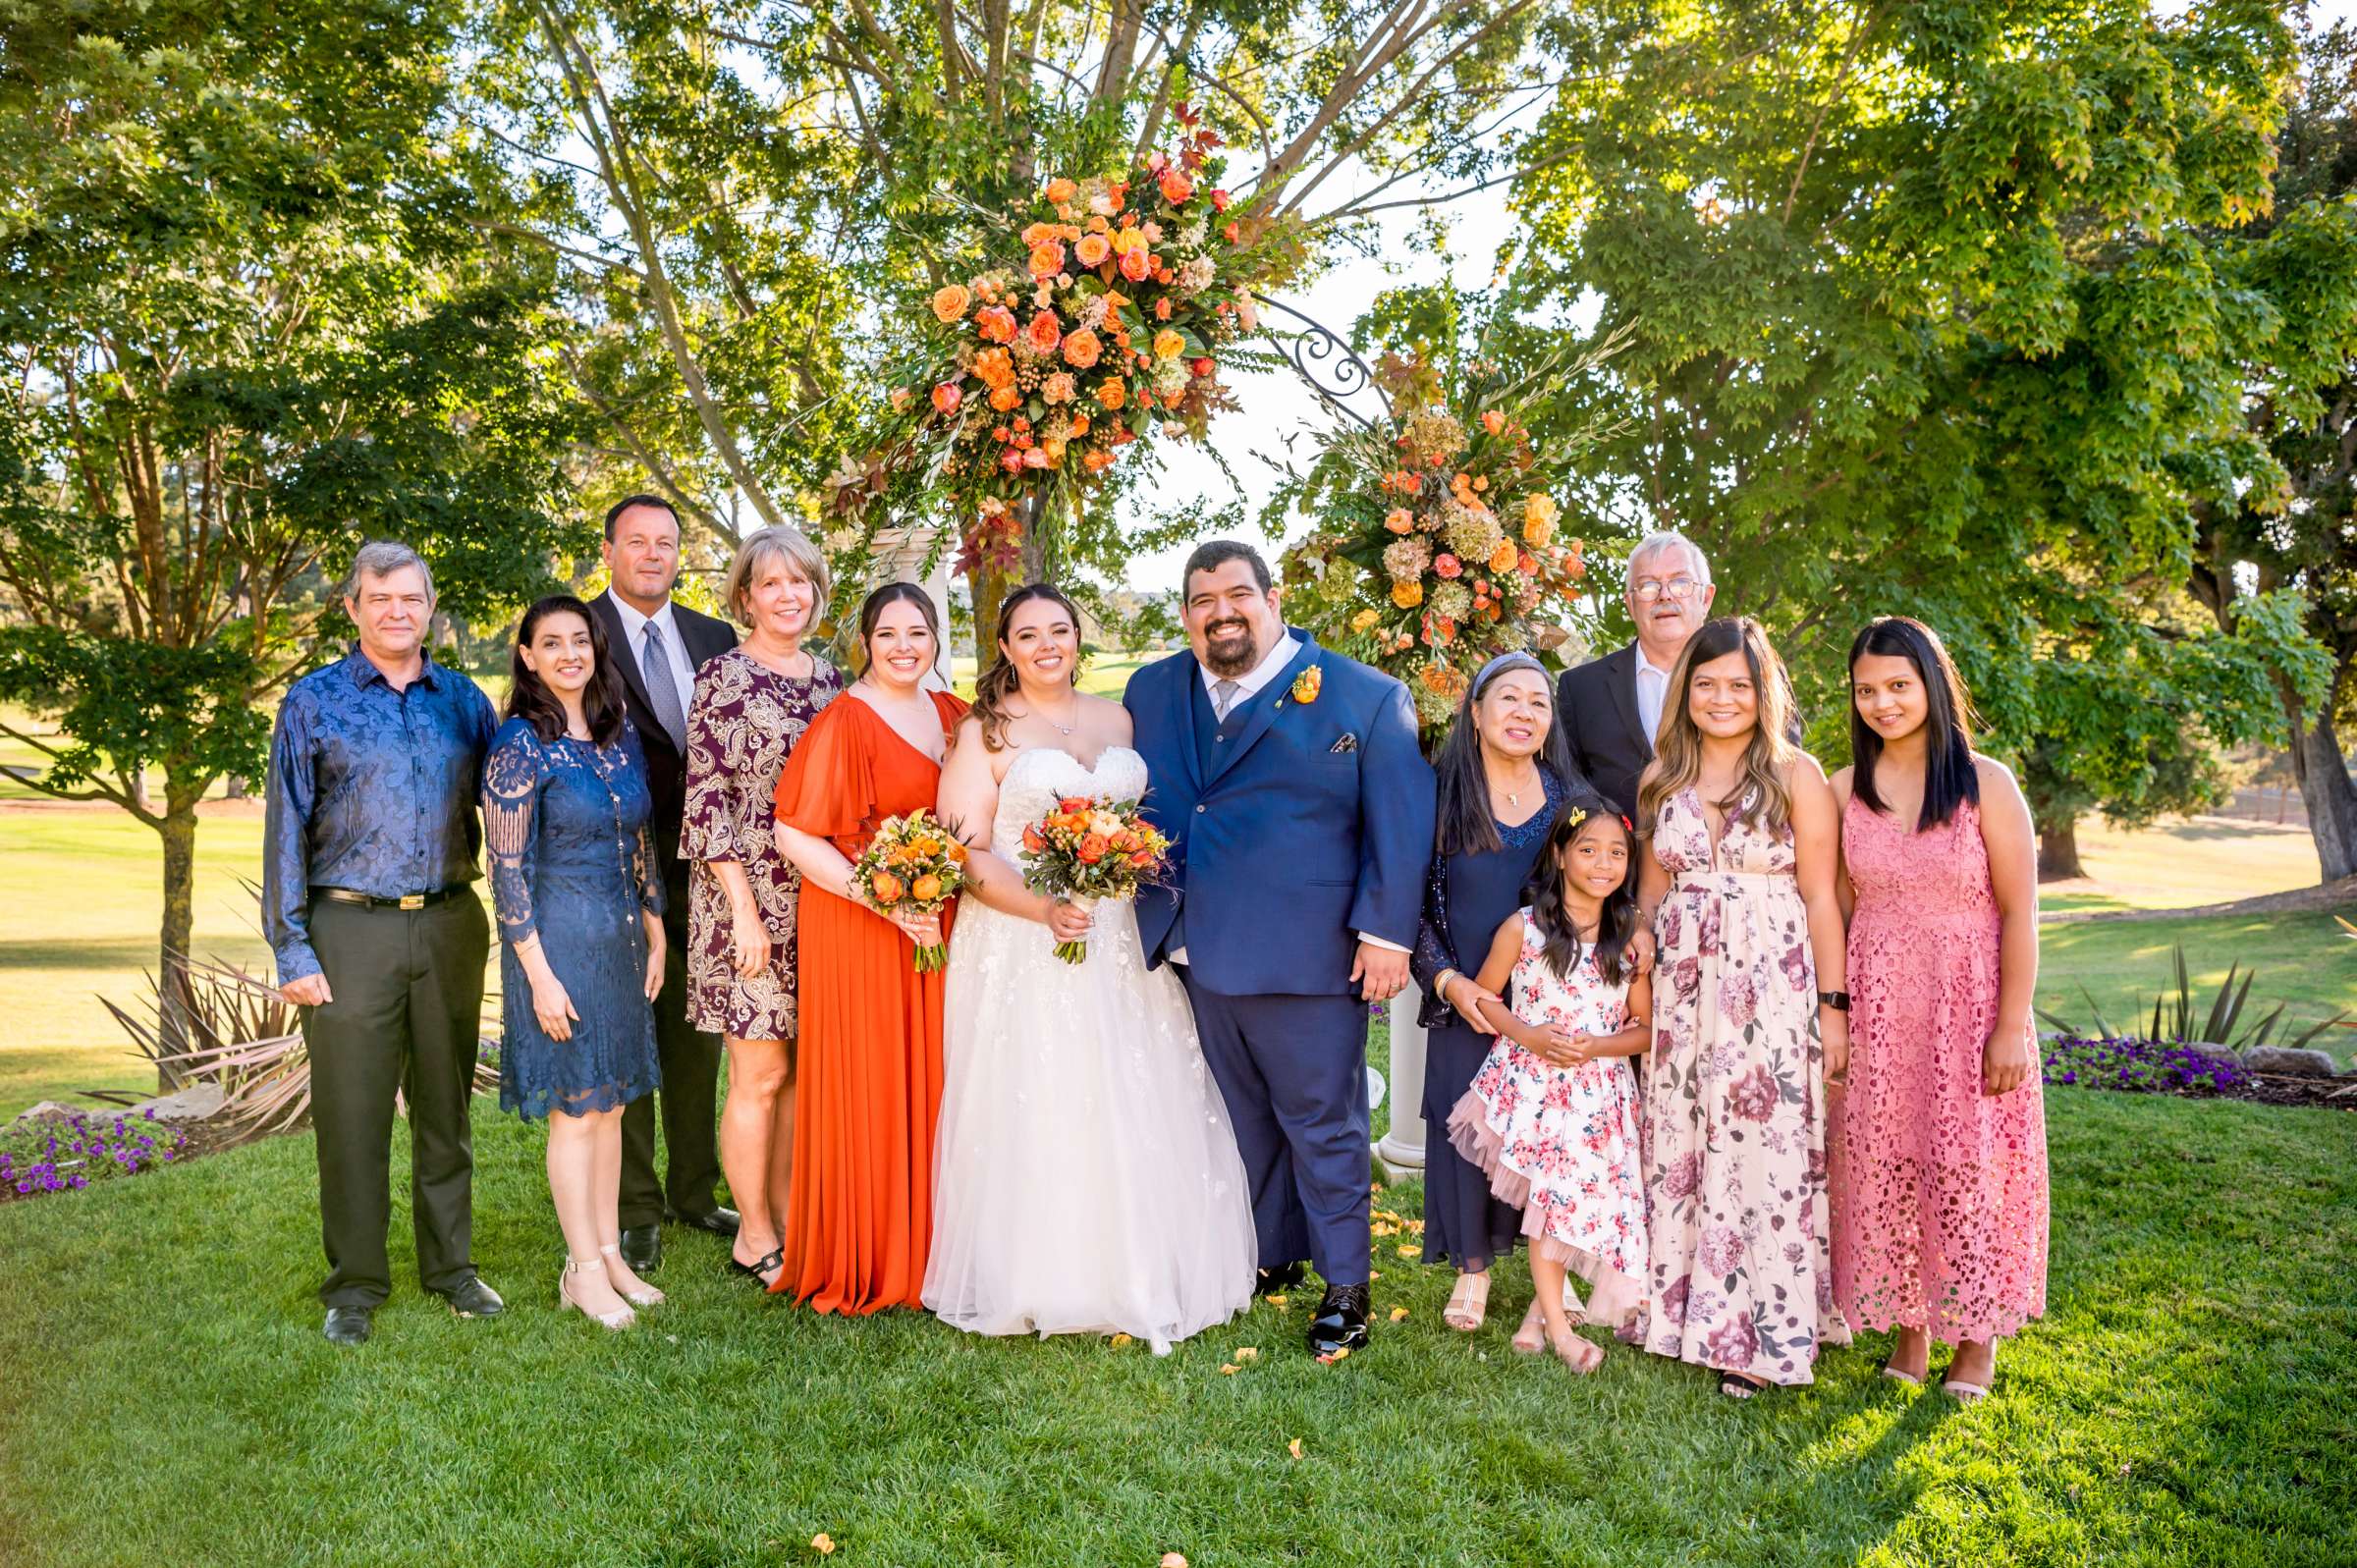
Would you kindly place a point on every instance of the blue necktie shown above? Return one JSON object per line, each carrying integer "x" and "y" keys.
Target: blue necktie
{"x": 663, "y": 687}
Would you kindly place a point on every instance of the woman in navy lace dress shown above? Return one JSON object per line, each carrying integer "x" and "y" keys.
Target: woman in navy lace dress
{"x": 579, "y": 899}
{"x": 1505, "y": 771}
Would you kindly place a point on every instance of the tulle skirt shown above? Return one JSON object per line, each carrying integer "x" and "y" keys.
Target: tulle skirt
{"x": 1087, "y": 1179}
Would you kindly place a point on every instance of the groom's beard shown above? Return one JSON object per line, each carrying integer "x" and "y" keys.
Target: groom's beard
{"x": 1227, "y": 648}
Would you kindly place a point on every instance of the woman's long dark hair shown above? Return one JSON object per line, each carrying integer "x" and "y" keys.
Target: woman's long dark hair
{"x": 530, "y": 699}
{"x": 873, "y": 608}
{"x": 1616, "y": 926}
{"x": 1467, "y": 826}
{"x": 1948, "y": 779}
{"x": 1000, "y": 681}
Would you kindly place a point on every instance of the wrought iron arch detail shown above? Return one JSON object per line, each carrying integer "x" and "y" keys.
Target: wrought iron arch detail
{"x": 1327, "y": 365}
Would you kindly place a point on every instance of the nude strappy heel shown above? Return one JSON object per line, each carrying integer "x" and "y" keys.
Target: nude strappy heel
{"x": 619, "y": 1318}
{"x": 649, "y": 1297}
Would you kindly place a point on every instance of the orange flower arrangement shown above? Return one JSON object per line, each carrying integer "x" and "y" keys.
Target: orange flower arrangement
{"x": 912, "y": 867}
{"x": 1110, "y": 328}
{"x": 1086, "y": 850}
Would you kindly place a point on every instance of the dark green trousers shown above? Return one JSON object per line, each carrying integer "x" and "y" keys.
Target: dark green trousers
{"x": 688, "y": 1102}
{"x": 408, "y": 999}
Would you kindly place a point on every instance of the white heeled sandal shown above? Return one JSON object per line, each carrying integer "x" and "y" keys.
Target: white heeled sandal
{"x": 619, "y": 1318}
{"x": 649, "y": 1297}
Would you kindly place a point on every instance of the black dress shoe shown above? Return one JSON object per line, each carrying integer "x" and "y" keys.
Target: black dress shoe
{"x": 720, "y": 1221}
{"x": 1280, "y": 1280}
{"x": 474, "y": 1299}
{"x": 642, "y": 1247}
{"x": 348, "y": 1326}
{"x": 1341, "y": 1321}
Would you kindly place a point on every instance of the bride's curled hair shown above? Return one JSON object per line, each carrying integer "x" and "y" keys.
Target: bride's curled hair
{"x": 999, "y": 683}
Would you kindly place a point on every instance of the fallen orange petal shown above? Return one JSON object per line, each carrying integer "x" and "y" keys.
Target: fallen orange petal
{"x": 1293, "y": 1447}
{"x": 1227, "y": 1369}
{"x": 1399, "y": 1315}
{"x": 1275, "y": 1301}
{"x": 1120, "y": 1340}
{"x": 1247, "y": 1352}
{"x": 1409, "y": 1251}
{"x": 1173, "y": 1560}
{"x": 823, "y": 1543}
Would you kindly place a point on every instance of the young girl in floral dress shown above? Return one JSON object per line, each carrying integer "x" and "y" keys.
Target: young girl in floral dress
{"x": 1552, "y": 1116}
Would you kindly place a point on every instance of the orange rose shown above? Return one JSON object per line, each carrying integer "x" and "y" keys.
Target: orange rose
{"x": 1176, "y": 186}
{"x": 1092, "y": 848}
{"x": 956, "y": 854}
{"x": 1062, "y": 191}
{"x": 1168, "y": 345}
{"x": 949, "y": 305}
{"x": 1082, "y": 349}
{"x": 1046, "y": 258}
{"x": 887, "y": 888}
{"x": 947, "y": 395}
{"x": 1204, "y": 367}
{"x": 1400, "y": 520}
{"x": 994, "y": 368}
{"x": 1112, "y": 394}
{"x": 1407, "y": 595}
{"x": 1097, "y": 461}
{"x": 1035, "y": 457}
{"x": 1075, "y": 803}
{"x": 995, "y": 324}
{"x": 925, "y": 888}
{"x": 1220, "y": 201}
{"x": 1503, "y": 557}
{"x": 1448, "y": 565}
{"x": 1079, "y": 425}
{"x": 1092, "y": 249}
{"x": 1492, "y": 420}
{"x": 1136, "y": 264}
{"x": 1004, "y": 399}
{"x": 1044, "y": 333}
{"x": 1040, "y": 234}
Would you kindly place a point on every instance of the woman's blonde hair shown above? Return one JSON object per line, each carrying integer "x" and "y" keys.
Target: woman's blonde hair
{"x": 754, "y": 555}
{"x": 1761, "y": 793}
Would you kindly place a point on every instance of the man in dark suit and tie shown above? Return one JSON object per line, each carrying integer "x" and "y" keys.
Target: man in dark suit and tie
{"x": 659, "y": 645}
{"x": 1611, "y": 707}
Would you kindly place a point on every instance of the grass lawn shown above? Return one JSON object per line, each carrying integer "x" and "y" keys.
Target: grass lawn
{"x": 2303, "y": 961}
{"x": 2188, "y": 1399}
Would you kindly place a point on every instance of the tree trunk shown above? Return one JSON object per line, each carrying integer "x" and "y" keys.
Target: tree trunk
{"x": 2323, "y": 774}
{"x": 2059, "y": 849}
{"x": 178, "y": 832}
{"x": 989, "y": 586}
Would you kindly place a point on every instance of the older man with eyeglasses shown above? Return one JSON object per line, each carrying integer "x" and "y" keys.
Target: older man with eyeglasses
{"x": 1611, "y": 707}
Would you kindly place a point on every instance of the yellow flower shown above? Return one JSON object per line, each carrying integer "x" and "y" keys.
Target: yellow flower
{"x": 823, "y": 1543}
{"x": 1364, "y": 620}
{"x": 1407, "y": 595}
{"x": 1168, "y": 345}
{"x": 1539, "y": 512}
{"x": 1306, "y": 685}
{"x": 1293, "y": 1447}
{"x": 1503, "y": 559}
{"x": 1399, "y": 1315}
{"x": 1119, "y": 1340}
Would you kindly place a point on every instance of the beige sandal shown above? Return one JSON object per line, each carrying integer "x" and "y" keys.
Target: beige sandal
{"x": 1576, "y": 1353}
{"x": 1531, "y": 1338}
{"x": 1469, "y": 1304}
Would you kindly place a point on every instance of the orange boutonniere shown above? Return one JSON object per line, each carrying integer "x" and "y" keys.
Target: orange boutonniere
{"x": 1306, "y": 684}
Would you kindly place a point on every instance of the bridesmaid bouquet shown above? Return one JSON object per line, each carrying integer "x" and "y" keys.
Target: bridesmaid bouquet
{"x": 912, "y": 867}
{"x": 1084, "y": 850}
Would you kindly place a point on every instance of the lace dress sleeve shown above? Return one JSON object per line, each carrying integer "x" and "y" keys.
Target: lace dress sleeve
{"x": 512, "y": 775}
{"x": 645, "y": 869}
{"x": 1431, "y": 953}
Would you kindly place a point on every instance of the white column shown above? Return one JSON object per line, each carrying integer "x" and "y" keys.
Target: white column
{"x": 1401, "y": 1150}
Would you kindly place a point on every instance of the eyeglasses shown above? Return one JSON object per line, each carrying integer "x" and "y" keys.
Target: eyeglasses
{"x": 1651, "y": 589}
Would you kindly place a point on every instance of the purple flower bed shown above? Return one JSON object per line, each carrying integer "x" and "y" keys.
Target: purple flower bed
{"x": 61, "y": 1155}
{"x": 2143, "y": 1067}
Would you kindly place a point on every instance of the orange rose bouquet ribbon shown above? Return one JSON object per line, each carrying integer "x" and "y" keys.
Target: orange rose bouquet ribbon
{"x": 1087, "y": 849}
{"x": 913, "y": 868}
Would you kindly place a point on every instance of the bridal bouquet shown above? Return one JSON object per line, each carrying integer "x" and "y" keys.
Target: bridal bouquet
{"x": 912, "y": 867}
{"x": 1084, "y": 850}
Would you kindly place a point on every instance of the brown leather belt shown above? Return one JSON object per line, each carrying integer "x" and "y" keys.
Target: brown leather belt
{"x": 407, "y": 900}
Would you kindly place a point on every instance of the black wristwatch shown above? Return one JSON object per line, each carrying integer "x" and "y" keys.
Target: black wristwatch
{"x": 1839, "y": 1000}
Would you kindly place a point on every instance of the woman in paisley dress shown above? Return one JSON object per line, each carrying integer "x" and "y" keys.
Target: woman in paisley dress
{"x": 580, "y": 924}
{"x": 1750, "y": 1020}
{"x": 751, "y": 705}
{"x": 1086, "y": 1178}
{"x": 1940, "y": 1216}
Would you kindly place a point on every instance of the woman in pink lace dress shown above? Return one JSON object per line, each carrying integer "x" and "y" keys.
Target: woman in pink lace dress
{"x": 1942, "y": 1208}
{"x": 1749, "y": 1027}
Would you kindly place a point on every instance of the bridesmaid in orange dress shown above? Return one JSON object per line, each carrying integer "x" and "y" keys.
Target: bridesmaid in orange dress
{"x": 859, "y": 1206}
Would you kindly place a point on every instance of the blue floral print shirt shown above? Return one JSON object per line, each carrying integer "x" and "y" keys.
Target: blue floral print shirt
{"x": 371, "y": 789}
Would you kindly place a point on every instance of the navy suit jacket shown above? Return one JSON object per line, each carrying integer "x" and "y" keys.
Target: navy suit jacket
{"x": 1285, "y": 848}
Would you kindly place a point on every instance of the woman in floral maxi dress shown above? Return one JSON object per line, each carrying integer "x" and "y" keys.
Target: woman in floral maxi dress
{"x": 1749, "y": 1022}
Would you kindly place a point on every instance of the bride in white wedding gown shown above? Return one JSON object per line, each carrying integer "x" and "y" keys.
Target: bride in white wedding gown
{"x": 1085, "y": 1177}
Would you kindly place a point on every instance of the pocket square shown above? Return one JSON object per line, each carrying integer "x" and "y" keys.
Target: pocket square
{"x": 1344, "y": 747}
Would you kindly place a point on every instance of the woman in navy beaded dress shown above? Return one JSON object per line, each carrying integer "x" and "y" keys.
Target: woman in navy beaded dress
{"x": 579, "y": 899}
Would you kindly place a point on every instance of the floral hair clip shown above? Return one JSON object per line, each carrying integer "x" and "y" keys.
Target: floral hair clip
{"x": 1573, "y": 816}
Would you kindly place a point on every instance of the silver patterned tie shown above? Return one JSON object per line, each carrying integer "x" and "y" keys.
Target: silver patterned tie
{"x": 1223, "y": 697}
{"x": 663, "y": 687}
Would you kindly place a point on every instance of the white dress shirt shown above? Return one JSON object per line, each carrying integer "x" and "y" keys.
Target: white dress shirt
{"x": 1653, "y": 685}
{"x": 634, "y": 632}
{"x": 1250, "y": 683}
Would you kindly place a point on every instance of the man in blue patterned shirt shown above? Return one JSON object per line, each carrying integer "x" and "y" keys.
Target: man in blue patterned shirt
{"x": 367, "y": 899}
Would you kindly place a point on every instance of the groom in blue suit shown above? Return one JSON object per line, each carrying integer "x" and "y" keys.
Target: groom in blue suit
{"x": 1299, "y": 811}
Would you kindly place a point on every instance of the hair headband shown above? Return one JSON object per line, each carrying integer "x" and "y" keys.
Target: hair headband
{"x": 1515, "y": 660}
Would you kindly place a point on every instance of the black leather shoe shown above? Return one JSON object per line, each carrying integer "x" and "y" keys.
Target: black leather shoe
{"x": 1341, "y": 1321}
{"x": 720, "y": 1221}
{"x": 642, "y": 1247}
{"x": 1280, "y": 1280}
{"x": 474, "y": 1299}
{"x": 348, "y": 1326}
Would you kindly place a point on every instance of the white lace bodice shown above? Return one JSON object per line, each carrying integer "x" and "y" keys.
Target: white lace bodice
{"x": 1040, "y": 775}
